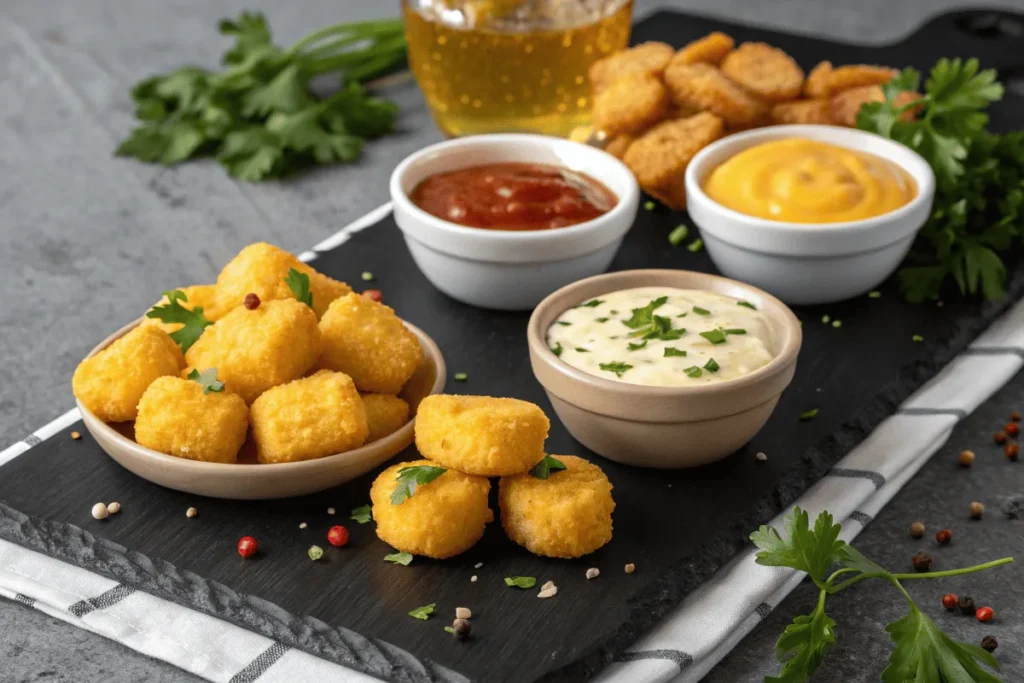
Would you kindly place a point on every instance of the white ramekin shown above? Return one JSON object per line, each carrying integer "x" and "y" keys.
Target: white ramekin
{"x": 511, "y": 270}
{"x": 805, "y": 263}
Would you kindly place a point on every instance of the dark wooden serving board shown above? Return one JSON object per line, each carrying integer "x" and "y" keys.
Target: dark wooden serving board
{"x": 678, "y": 527}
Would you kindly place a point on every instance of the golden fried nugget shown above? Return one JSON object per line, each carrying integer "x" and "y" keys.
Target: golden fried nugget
{"x": 711, "y": 49}
{"x": 480, "y": 434}
{"x": 196, "y": 295}
{"x": 704, "y": 87}
{"x": 111, "y": 383}
{"x": 261, "y": 269}
{"x": 858, "y": 75}
{"x": 567, "y": 515}
{"x": 816, "y": 86}
{"x": 441, "y": 519}
{"x": 385, "y": 414}
{"x": 177, "y": 418}
{"x": 766, "y": 71}
{"x": 368, "y": 342}
{"x": 254, "y": 350}
{"x": 618, "y": 145}
{"x": 659, "y": 157}
{"x": 645, "y": 59}
{"x": 630, "y": 106}
{"x": 803, "y": 111}
{"x": 845, "y": 105}
{"x": 581, "y": 134}
{"x": 308, "y": 418}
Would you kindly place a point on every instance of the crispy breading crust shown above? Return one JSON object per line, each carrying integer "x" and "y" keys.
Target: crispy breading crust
{"x": 645, "y": 59}
{"x": 630, "y": 106}
{"x": 816, "y": 86}
{"x": 617, "y": 147}
{"x": 766, "y": 71}
{"x": 858, "y": 75}
{"x": 803, "y": 111}
{"x": 704, "y": 87}
{"x": 385, "y": 414}
{"x": 711, "y": 49}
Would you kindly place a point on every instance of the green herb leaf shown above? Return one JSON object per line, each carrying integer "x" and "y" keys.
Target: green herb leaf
{"x": 409, "y": 478}
{"x": 673, "y": 351}
{"x": 423, "y": 612}
{"x": 711, "y": 365}
{"x": 802, "y": 646}
{"x": 917, "y": 338}
{"x": 593, "y": 303}
{"x": 808, "y": 550}
{"x": 460, "y": 377}
{"x": 564, "y": 323}
{"x": 617, "y": 367}
{"x": 192, "y": 320}
{"x": 449, "y": 629}
{"x": 809, "y": 415}
{"x": 520, "y": 581}
{"x": 361, "y": 514}
{"x": 557, "y": 349}
{"x": 545, "y": 467}
{"x": 299, "y": 284}
{"x": 399, "y": 558}
{"x": 874, "y": 295}
{"x": 580, "y": 349}
{"x": 746, "y": 304}
{"x": 735, "y": 330}
{"x": 701, "y": 311}
{"x": 714, "y": 336}
{"x": 602, "y": 320}
{"x": 678, "y": 236}
{"x": 643, "y": 317}
{"x": 637, "y": 347}
{"x": 207, "y": 379}
{"x": 695, "y": 246}
{"x": 924, "y": 654}
{"x": 315, "y": 552}
{"x": 693, "y": 371}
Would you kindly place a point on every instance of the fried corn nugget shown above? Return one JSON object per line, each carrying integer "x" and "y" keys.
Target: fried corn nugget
{"x": 704, "y": 87}
{"x": 111, "y": 383}
{"x": 816, "y": 86}
{"x": 711, "y": 49}
{"x": 441, "y": 519}
{"x": 803, "y": 111}
{"x": 369, "y": 343}
{"x": 254, "y": 350}
{"x": 858, "y": 75}
{"x": 567, "y": 515}
{"x": 385, "y": 414}
{"x": 630, "y": 105}
{"x": 659, "y": 157}
{"x": 646, "y": 59}
{"x": 308, "y": 418}
{"x": 845, "y": 105}
{"x": 261, "y": 269}
{"x": 481, "y": 435}
{"x": 177, "y": 418}
{"x": 196, "y": 295}
{"x": 766, "y": 71}
{"x": 617, "y": 146}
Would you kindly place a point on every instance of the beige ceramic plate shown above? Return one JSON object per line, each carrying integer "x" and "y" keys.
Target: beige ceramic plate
{"x": 245, "y": 481}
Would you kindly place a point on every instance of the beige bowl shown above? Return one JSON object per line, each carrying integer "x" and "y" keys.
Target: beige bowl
{"x": 259, "y": 482}
{"x": 663, "y": 426}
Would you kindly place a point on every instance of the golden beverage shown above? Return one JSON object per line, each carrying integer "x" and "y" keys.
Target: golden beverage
{"x": 489, "y": 66}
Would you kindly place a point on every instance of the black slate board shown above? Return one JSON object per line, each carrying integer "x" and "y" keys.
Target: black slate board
{"x": 677, "y": 527}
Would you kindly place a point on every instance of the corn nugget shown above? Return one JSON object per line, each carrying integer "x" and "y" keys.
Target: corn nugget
{"x": 385, "y": 414}
{"x": 711, "y": 49}
{"x": 645, "y": 59}
{"x": 803, "y": 111}
{"x": 816, "y": 86}
{"x": 851, "y": 76}
{"x": 630, "y": 106}
{"x": 766, "y": 71}
{"x": 704, "y": 87}
{"x": 618, "y": 145}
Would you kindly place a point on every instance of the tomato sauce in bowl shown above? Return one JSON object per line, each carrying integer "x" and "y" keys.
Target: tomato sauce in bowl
{"x": 514, "y": 196}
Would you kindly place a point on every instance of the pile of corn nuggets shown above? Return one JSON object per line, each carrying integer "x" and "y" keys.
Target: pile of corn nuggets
{"x": 311, "y": 378}
{"x": 655, "y": 107}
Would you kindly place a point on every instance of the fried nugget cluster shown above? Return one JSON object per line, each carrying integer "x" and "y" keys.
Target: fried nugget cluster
{"x": 309, "y": 370}
{"x": 655, "y": 107}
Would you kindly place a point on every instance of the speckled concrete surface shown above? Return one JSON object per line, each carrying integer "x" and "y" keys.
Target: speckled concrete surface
{"x": 86, "y": 241}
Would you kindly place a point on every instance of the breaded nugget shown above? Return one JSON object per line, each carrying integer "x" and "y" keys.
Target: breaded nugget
{"x": 481, "y": 435}
{"x": 308, "y": 418}
{"x": 111, "y": 383}
{"x": 177, "y": 418}
{"x": 845, "y": 105}
{"x": 645, "y": 59}
{"x": 254, "y": 350}
{"x": 803, "y": 111}
{"x": 858, "y": 75}
{"x": 369, "y": 343}
{"x": 630, "y": 106}
{"x": 567, "y": 515}
{"x": 261, "y": 269}
{"x": 711, "y": 49}
{"x": 659, "y": 157}
{"x": 766, "y": 71}
{"x": 816, "y": 86}
{"x": 618, "y": 145}
{"x": 385, "y": 414}
{"x": 704, "y": 87}
{"x": 441, "y": 519}
{"x": 203, "y": 296}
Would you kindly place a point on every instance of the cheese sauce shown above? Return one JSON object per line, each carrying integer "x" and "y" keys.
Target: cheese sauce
{"x": 663, "y": 336}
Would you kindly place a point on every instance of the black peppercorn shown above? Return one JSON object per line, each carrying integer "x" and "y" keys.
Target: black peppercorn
{"x": 989, "y": 643}
{"x": 966, "y": 605}
{"x": 922, "y": 562}
{"x": 461, "y": 628}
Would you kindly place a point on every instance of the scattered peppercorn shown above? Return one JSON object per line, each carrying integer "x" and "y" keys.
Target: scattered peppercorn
{"x": 1012, "y": 451}
{"x": 191, "y": 512}
{"x": 949, "y": 601}
{"x": 251, "y": 301}
{"x": 977, "y": 510}
{"x": 461, "y": 628}
{"x": 989, "y": 643}
{"x": 1000, "y": 437}
{"x": 966, "y": 605}
{"x": 1015, "y": 416}
{"x": 76, "y": 436}
{"x": 917, "y": 530}
{"x": 630, "y": 568}
{"x": 966, "y": 458}
{"x": 374, "y": 295}
{"x": 247, "y": 546}
{"x": 985, "y": 614}
{"x": 1012, "y": 429}
{"x": 337, "y": 536}
{"x": 944, "y": 536}
{"x": 460, "y": 377}
{"x": 922, "y": 562}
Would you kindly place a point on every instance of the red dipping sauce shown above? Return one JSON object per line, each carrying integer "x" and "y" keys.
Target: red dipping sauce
{"x": 514, "y": 196}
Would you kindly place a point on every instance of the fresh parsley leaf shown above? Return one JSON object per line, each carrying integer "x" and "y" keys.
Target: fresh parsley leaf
{"x": 299, "y": 284}
{"x": 712, "y": 366}
{"x": 808, "y": 550}
{"x": 545, "y": 467}
{"x": 746, "y": 304}
{"x": 809, "y": 415}
{"x": 617, "y": 367}
{"x": 673, "y": 351}
{"x": 399, "y": 558}
{"x": 520, "y": 581}
{"x": 715, "y": 336}
{"x": 361, "y": 514}
{"x": 802, "y": 646}
{"x": 207, "y": 379}
{"x": 693, "y": 371}
{"x": 735, "y": 330}
{"x": 643, "y": 317}
{"x": 192, "y": 320}
{"x": 637, "y": 347}
{"x": 695, "y": 246}
{"x": 924, "y": 654}
{"x": 557, "y": 349}
{"x": 423, "y": 612}
{"x": 593, "y": 303}
{"x": 701, "y": 311}
{"x": 409, "y": 478}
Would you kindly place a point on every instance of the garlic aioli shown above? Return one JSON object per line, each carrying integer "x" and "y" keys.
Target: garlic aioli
{"x": 663, "y": 336}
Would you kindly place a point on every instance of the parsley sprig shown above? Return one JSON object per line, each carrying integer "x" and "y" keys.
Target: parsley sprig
{"x": 207, "y": 379}
{"x": 922, "y": 652}
{"x": 409, "y": 478}
{"x": 192, "y": 321}
{"x": 545, "y": 467}
{"x": 299, "y": 284}
{"x": 646, "y": 325}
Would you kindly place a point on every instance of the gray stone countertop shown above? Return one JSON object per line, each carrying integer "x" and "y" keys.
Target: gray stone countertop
{"x": 87, "y": 241}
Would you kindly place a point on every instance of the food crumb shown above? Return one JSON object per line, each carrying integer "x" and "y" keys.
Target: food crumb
{"x": 461, "y": 377}
{"x": 630, "y": 568}
{"x": 761, "y": 457}
{"x": 473, "y": 579}
{"x": 114, "y": 508}
{"x": 76, "y": 436}
{"x": 99, "y": 511}
{"x": 478, "y": 565}
{"x": 463, "y": 613}
{"x": 367, "y": 276}
{"x": 593, "y": 573}
{"x": 548, "y": 590}
{"x": 302, "y": 525}
{"x": 191, "y": 512}
{"x": 330, "y": 511}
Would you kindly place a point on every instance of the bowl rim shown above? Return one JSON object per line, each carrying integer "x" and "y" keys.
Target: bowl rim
{"x": 200, "y": 467}
{"x": 620, "y": 212}
{"x": 780, "y": 363}
{"x": 919, "y": 170}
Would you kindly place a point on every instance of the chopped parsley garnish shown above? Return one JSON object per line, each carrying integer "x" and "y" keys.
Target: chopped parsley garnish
{"x": 423, "y": 612}
{"x": 875, "y": 295}
{"x": 746, "y": 304}
{"x": 917, "y": 338}
{"x": 682, "y": 315}
{"x": 361, "y": 514}
{"x": 207, "y": 379}
{"x": 580, "y": 349}
{"x": 593, "y": 303}
{"x": 693, "y": 371}
{"x": 673, "y": 351}
{"x": 193, "y": 321}
{"x": 677, "y": 236}
{"x": 645, "y": 316}
{"x": 735, "y": 330}
{"x": 637, "y": 347}
{"x": 826, "y": 319}
{"x": 299, "y": 284}
{"x": 649, "y": 205}
{"x": 711, "y": 365}
{"x": 449, "y": 629}
{"x": 520, "y": 581}
{"x": 315, "y": 552}
{"x": 809, "y": 415}
{"x": 409, "y": 478}
{"x": 399, "y": 558}
{"x": 460, "y": 377}
{"x": 617, "y": 367}
{"x": 545, "y": 467}
{"x": 701, "y": 311}
{"x": 564, "y": 323}
{"x": 695, "y": 246}
{"x": 714, "y": 336}
{"x": 602, "y": 320}
{"x": 613, "y": 312}
{"x": 557, "y": 349}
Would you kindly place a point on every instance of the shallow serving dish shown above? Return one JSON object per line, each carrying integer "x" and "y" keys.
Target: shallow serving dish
{"x": 248, "y": 480}
{"x": 806, "y": 263}
{"x": 511, "y": 270}
{"x": 663, "y": 426}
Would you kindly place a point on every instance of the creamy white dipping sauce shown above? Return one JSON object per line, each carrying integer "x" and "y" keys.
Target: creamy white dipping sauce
{"x": 653, "y": 336}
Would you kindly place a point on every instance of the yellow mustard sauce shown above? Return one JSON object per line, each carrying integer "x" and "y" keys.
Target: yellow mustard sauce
{"x": 806, "y": 181}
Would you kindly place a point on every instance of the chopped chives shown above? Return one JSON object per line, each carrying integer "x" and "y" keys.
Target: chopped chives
{"x": 809, "y": 415}
{"x": 676, "y": 237}
{"x": 826, "y": 319}
{"x": 649, "y": 205}
{"x": 917, "y": 338}
{"x": 875, "y": 295}
{"x": 701, "y": 311}
{"x": 673, "y": 351}
{"x": 714, "y": 336}
{"x": 564, "y": 323}
{"x": 746, "y": 304}
{"x": 735, "y": 330}
{"x": 695, "y": 246}
{"x": 711, "y": 365}
{"x": 837, "y": 323}
{"x": 461, "y": 377}
{"x": 602, "y": 320}
{"x": 693, "y": 371}
{"x": 635, "y": 347}
{"x": 580, "y": 349}
{"x": 367, "y": 276}
{"x": 557, "y": 349}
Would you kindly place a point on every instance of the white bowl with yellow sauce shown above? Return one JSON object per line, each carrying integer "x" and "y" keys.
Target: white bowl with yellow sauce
{"x": 813, "y": 214}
